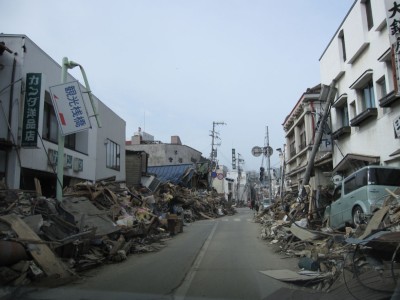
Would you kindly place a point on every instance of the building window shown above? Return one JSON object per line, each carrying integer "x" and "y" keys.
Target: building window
{"x": 368, "y": 13}
{"x": 345, "y": 116}
{"x": 367, "y": 96}
{"x": 353, "y": 111}
{"x": 381, "y": 87}
{"x": 303, "y": 142}
{"x": 112, "y": 155}
{"x": 50, "y": 126}
{"x": 342, "y": 45}
{"x": 292, "y": 149}
{"x": 342, "y": 113}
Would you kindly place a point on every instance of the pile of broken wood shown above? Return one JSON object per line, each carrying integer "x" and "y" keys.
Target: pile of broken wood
{"x": 362, "y": 261}
{"x": 46, "y": 241}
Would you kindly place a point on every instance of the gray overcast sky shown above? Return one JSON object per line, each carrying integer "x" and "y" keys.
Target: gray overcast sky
{"x": 172, "y": 67}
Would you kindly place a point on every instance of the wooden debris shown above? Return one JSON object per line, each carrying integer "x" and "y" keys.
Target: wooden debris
{"x": 41, "y": 253}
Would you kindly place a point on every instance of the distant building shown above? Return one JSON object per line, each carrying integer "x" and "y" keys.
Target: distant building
{"x": 219, "y": 178}
{"x": 238, "y": 185}
{"x": 89, "y": 155}
{"x": 366, "y": 111}
{"x": 162, "y": 154}
{"x": 300, "y": 127}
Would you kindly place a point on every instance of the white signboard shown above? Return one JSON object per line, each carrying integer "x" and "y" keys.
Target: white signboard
{"x": 69, "y": 107}
{"x": 396, "y": 126}
{"x": 392, "y": 8}
{"x": 393, "y": 20}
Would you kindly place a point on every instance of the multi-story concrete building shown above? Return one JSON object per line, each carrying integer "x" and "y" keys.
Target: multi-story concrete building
{"x": 359, "y": 60}
{"x": 89, "y": 155}
{"x": 163, "y": 154}
{"x": 300, "y": 127}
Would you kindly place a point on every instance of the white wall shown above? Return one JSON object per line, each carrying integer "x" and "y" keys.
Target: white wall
{"x": 374, "y": 137}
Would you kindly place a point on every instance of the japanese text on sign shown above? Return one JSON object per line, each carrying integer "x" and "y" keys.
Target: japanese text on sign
{"x": 75, "y": 107}
{"x": 393, "y": 22}
{"x": 70, "y": 107}
{"x": 31, "y": 109}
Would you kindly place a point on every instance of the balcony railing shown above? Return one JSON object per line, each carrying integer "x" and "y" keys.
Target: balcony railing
{"x": 389, "y": 99}
{"x": 366, "y": 114}
{"x": 340, "y": 132}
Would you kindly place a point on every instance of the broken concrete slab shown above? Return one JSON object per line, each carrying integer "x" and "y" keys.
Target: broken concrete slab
{"x": 292, "y": 276}
{"x": 85, "y": 215}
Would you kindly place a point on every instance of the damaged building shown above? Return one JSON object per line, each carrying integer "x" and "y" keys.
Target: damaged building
{"x": 168, "y": 162}
{"x": 300, "y": 127}
{"x": 28, "y": 149}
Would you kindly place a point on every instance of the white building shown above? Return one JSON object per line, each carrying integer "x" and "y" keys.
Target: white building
{"x": 359, "y": 59}
{"x": 237, "y": 184}
{"x": 89, "y": 155}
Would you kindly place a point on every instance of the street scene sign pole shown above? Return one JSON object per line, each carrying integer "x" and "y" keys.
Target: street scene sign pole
{"x": 60, "y": 153}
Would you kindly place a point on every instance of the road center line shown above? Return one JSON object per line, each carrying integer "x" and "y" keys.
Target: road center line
{"x": 182, "y": 290}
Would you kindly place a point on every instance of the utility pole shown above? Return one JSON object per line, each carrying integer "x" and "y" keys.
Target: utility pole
{"x": 214, "y": 136}
{"x": 239, "y": 161}
{"x": 269, "y": 153}
{"x": 282, "y": 173}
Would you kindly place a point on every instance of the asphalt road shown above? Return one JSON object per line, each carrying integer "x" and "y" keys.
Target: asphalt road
{"x": 211, "y": 259}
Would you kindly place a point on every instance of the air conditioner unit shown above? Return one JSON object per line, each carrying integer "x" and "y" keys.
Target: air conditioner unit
{"x": 77, "y": 165}
{"x": 52, "y": 157}
{"x": 67, "y": 161}
{"x": 150, "y": 182}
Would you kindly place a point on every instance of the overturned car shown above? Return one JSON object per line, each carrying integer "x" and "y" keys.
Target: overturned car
{"x": 360, "y": 194}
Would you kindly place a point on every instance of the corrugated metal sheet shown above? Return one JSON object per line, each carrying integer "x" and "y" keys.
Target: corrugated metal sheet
{"x": 176, "y": 174}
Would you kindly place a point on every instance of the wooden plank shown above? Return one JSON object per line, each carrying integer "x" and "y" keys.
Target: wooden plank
{"x": 374, "y": 222}
{"x": 41, "y": 253}
{"x": 38, "y": 186}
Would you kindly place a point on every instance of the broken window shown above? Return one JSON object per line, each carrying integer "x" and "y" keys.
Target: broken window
{"x": 50, "y": 126}
{"x": 112, "y": 155}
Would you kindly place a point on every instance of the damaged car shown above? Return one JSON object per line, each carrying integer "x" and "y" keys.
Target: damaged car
{"x": 360, "y": 194}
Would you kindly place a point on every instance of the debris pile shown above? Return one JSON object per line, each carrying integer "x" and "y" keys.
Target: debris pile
{"x": 46, "y": 241}
{"x": 363, "y": 261}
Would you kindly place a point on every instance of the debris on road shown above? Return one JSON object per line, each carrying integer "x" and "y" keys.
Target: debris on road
{"x": 43, "y": 241}
{"x": 363, "y": 261}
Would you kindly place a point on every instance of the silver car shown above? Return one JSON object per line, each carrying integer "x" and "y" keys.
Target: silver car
{"x": 360, "y": 194}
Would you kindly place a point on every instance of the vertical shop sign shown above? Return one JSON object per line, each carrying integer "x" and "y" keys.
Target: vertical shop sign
{"x": 393, "y": 22}
{"x": 233, "y": 159}
{"x": 31, "y": 110}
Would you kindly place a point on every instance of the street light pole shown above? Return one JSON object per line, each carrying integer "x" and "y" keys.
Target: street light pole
{"x": 61, "y": 140}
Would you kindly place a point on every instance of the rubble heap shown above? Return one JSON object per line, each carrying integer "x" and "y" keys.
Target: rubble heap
{"x": 43, "y": 240}
{"x": 362, "y": 261}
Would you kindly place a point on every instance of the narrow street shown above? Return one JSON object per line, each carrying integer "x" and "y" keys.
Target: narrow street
{"x": 212, "y": 259}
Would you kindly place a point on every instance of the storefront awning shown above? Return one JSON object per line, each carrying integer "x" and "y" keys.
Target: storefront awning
{"x": 355, "y": 161}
